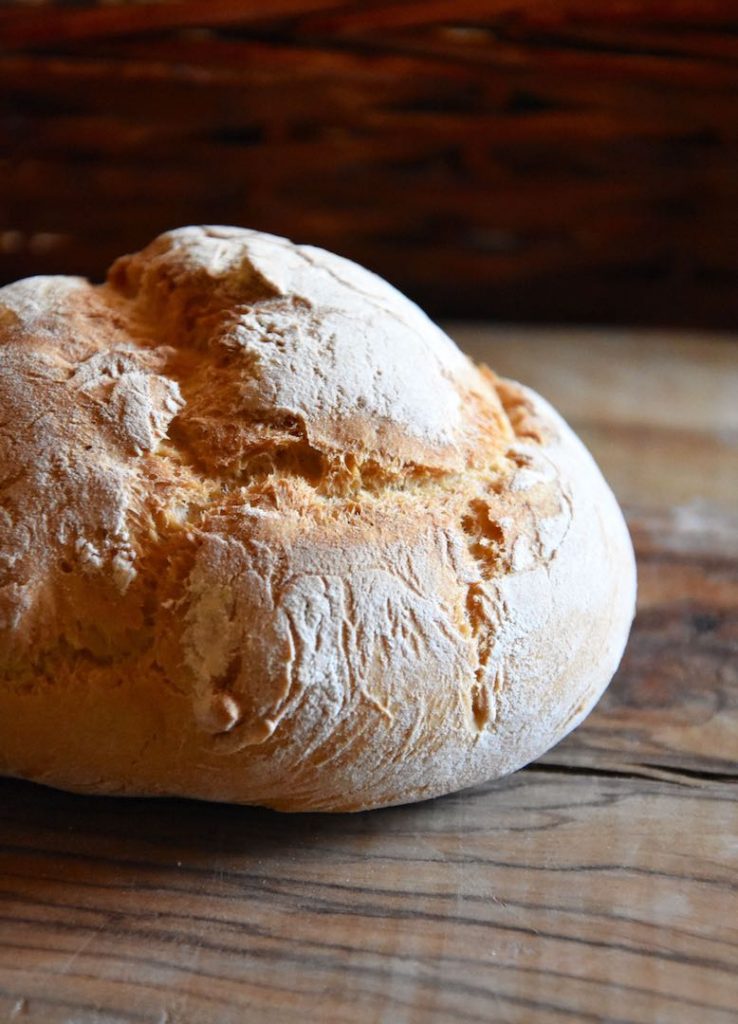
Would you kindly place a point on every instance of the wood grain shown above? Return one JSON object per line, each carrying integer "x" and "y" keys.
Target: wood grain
{"x": 545, "y": 898}
{"x": 599, "y": 884}
{"x": 521, "y": 160}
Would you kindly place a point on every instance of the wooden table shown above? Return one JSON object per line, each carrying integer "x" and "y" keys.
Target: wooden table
{"x": 596, "y": 885}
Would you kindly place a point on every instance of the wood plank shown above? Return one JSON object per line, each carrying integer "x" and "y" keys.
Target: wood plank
{"x": 541, "y": 898}
{"x": 351, "y": 18}
{"x": 59, "y": 24}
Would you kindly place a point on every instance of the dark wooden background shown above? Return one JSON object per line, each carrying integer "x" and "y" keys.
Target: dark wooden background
{"x": 517, "y": 159}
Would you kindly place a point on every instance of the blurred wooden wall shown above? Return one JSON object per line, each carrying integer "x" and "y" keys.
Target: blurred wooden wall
{"x": 528, "y": 160}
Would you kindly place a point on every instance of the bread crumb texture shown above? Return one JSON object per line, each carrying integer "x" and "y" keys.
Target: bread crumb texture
{"x": 267, "y": 536}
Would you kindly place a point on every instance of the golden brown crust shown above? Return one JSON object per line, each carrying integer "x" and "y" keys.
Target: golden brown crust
{"x": 267, "y": 536}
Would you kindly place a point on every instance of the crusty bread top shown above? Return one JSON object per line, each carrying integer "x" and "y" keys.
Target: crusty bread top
{"x": 254, "y": 479}
{"x": 270, "y": 355}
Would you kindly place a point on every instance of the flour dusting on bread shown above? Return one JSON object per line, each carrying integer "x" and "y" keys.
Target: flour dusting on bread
{"x": 266, "y": 535}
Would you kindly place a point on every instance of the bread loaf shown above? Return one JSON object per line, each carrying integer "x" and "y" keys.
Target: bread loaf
{"x": 267, "y": 536}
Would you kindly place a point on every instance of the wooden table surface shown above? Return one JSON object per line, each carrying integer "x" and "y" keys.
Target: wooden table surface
{"x": 598, "y": 884}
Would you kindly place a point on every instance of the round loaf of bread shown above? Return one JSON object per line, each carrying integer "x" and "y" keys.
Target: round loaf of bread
{"x": 267, "y": 536}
